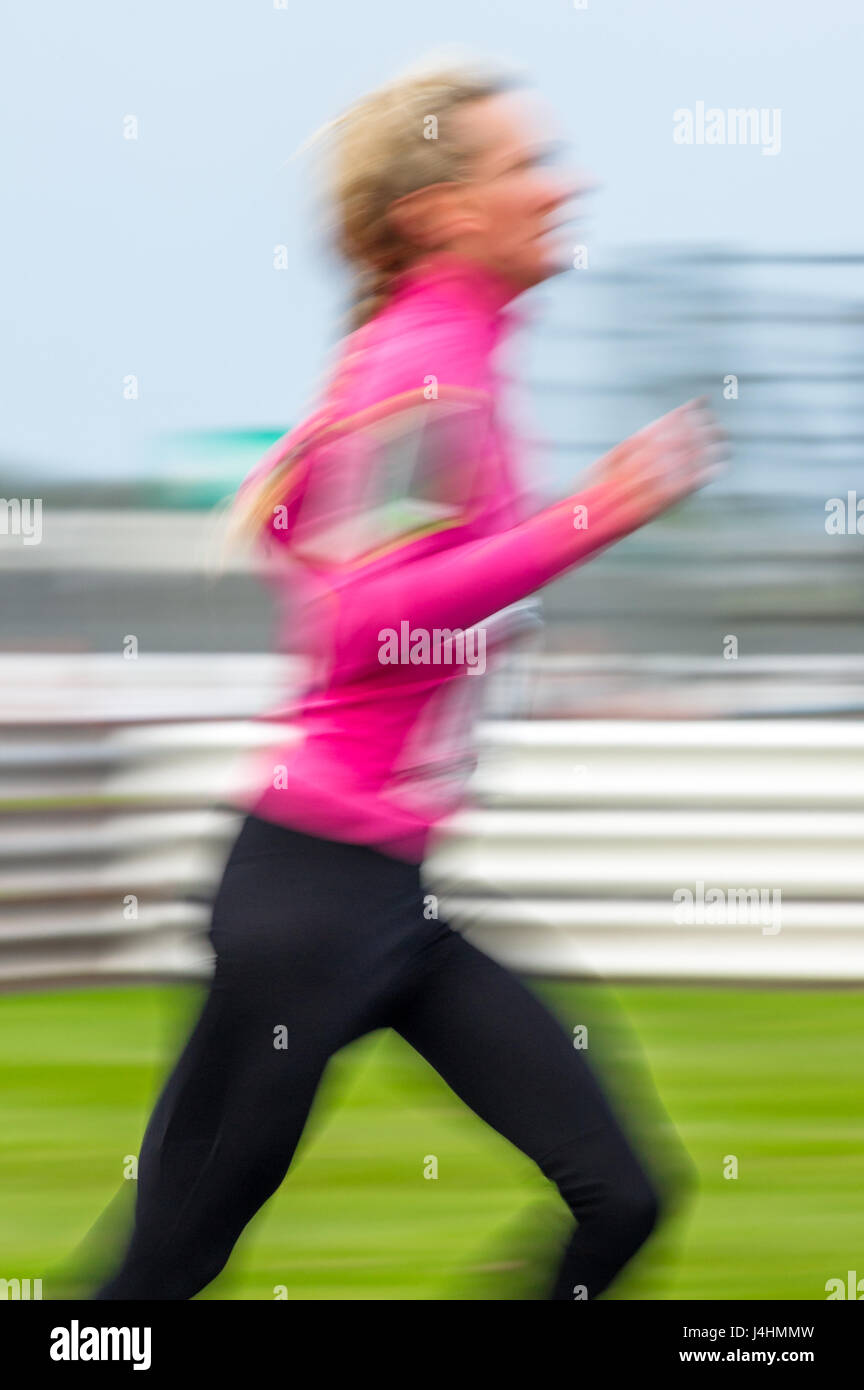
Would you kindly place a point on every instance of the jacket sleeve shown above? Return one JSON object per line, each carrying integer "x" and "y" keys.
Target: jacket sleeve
{"x": 381, "y": 518}
{"x": 457, "y": 588}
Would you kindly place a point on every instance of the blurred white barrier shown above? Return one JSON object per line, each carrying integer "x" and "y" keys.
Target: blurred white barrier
{"x": 575, "y": 858}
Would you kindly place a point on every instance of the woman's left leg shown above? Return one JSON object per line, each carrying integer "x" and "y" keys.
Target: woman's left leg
{"x": 509, "y": 1059}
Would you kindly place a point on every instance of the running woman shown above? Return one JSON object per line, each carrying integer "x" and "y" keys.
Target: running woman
{"x": 399, "y": 536}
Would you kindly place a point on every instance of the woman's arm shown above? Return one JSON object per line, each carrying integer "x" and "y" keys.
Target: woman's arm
{"x": 460, "y": 586}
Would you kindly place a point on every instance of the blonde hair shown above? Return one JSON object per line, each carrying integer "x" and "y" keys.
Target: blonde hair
{"x": 397, "y": 140}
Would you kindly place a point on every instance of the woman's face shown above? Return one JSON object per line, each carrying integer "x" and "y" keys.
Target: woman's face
{"x": 510, "y": 212}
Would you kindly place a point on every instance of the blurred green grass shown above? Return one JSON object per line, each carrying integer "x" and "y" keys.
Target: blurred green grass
{"x": 772, "y": 1077}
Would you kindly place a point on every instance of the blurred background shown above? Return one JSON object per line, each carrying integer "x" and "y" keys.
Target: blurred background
{"x": 688, "y": 712}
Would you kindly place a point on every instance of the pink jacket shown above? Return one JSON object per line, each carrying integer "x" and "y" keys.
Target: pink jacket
{"x": 399, "y": 531}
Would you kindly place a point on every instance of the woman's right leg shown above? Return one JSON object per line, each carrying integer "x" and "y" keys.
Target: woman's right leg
{"x": 217, "y": 1145}
{"x": 283, "y": 999}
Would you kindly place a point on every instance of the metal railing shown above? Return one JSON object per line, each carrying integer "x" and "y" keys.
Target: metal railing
{"x": 574, "y": 858}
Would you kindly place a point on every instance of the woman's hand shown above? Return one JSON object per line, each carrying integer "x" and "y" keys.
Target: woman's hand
{"x": 664, "y": 462}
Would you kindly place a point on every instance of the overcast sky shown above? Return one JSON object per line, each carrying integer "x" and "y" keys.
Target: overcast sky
{"x": 153, "y": 256}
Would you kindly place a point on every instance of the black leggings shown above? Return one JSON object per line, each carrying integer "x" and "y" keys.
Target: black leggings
{"x": 317, "y": 943}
